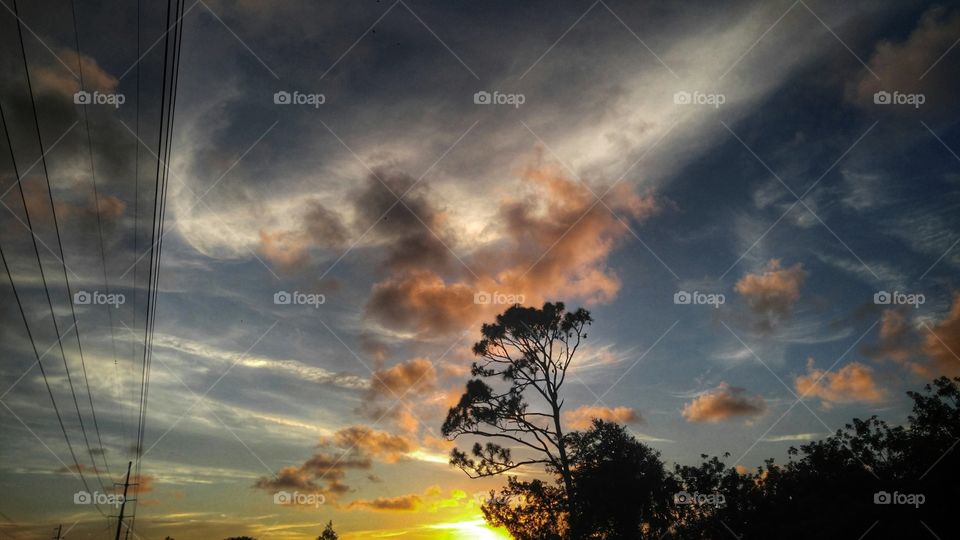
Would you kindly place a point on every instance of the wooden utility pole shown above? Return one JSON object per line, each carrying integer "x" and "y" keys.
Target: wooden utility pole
{"x": 123, "y": 503}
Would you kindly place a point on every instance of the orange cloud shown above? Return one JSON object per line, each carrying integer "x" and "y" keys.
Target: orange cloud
{"x": 144, "y": 482}
{"x": 772, "y": 293}
{"x": 422, "y": 302}
{"x": 942, "y": 343}
{"x": 417, "y": 375}
{"x": 555, "y": 239}
{"x": 926, "y": 350}
{"x": 853, "y": 382}
{"x": 722, "y": 403}
{"x": 290, "y": 249}
{"x": 582, "y": 417}
{"x": 51, "y": 77}
{"x": 380, "y": 444}
{"x": 905, "y": 67}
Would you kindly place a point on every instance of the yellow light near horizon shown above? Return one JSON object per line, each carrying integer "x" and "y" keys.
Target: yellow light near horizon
{"x": 476, "y": 529}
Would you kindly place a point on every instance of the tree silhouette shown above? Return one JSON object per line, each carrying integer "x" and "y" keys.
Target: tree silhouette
{"x": 328, "y": 532}
{"x": 530, "y": 349}
{"x": 621, "y": 489}
{"x": 841, "y": 486}
{"x": 528, "y": 510}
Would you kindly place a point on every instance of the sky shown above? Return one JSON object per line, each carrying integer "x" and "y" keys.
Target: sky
{"x": 757, "y": 202}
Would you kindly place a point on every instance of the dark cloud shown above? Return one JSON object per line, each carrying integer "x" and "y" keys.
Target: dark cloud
{"x": 404, "y": 503}
{"x": 412, "y": 229}
{"x": 292, "y": 250}
{"x": 555, "y": 239}
{"x": 909, "y": 66}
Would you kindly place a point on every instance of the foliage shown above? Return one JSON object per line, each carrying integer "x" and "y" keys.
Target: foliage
{"x": 530, "y": 350}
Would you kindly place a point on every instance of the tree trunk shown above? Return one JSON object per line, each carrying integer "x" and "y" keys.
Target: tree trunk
{"x": 564, "y": 468}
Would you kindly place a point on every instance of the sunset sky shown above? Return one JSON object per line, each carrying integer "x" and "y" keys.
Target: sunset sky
{"x": 786, "y": 193}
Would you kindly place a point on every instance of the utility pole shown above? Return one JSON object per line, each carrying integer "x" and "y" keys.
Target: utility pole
{"x": 123, "y": 503}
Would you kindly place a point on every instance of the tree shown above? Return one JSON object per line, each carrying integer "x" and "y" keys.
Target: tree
{"x": 528, "y": 510}
{"x": 841, "y": 486}
{"x": 530, "y": 350}
{"x": 328, "y": 532}
{"x": 621, "y": 490}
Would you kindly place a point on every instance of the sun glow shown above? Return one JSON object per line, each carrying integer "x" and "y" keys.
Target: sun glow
{"x": 476, "y": 529}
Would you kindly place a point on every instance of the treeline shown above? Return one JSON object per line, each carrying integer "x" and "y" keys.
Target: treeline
{"x": 869, "y": 480}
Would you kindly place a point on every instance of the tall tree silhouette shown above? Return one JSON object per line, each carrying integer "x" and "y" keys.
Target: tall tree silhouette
{"x": 530, "y": 350}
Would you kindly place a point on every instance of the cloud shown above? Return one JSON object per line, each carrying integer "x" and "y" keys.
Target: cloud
{"x": 927, "y": 351}
{"x": 289, "y": 478}
{"x": 144, "y": 482}
{"x": 904, "y": 66}
{"x": 380, "y": 444}
{"x": 897, "y": 341}
{"x": 722, "y": 403}
{"x": 290, "y": 368}
{"x": 552, "y": 240}
{"x": 417, "y": 374}
{"x": 772, "y": 293}
{"x": 431, "y": 500}
{"x": 582, "y": 417}
{"x": 317, "y": 228}
{"x": 404, "y": 503}
{"x": 793, "y": 437}
{"x": 414, "y": 231}
{"x": 422, "y": 303}
{"x": 51, "y": 77}
{"x": 853, "y": 382}
{"x": 322, "y": 473}
{"x": 387, "y": 385}
{"x": 351, "y": 448}
{"x": 942, "y": 343}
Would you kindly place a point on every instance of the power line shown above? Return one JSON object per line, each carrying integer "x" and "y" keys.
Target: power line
{"x": 16, "y": 172}
{"x": 53, "y": 210}
{"x": 33, "y": 344}
{"x": 164, "y": 140}
{"x": 96, "y": 203}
